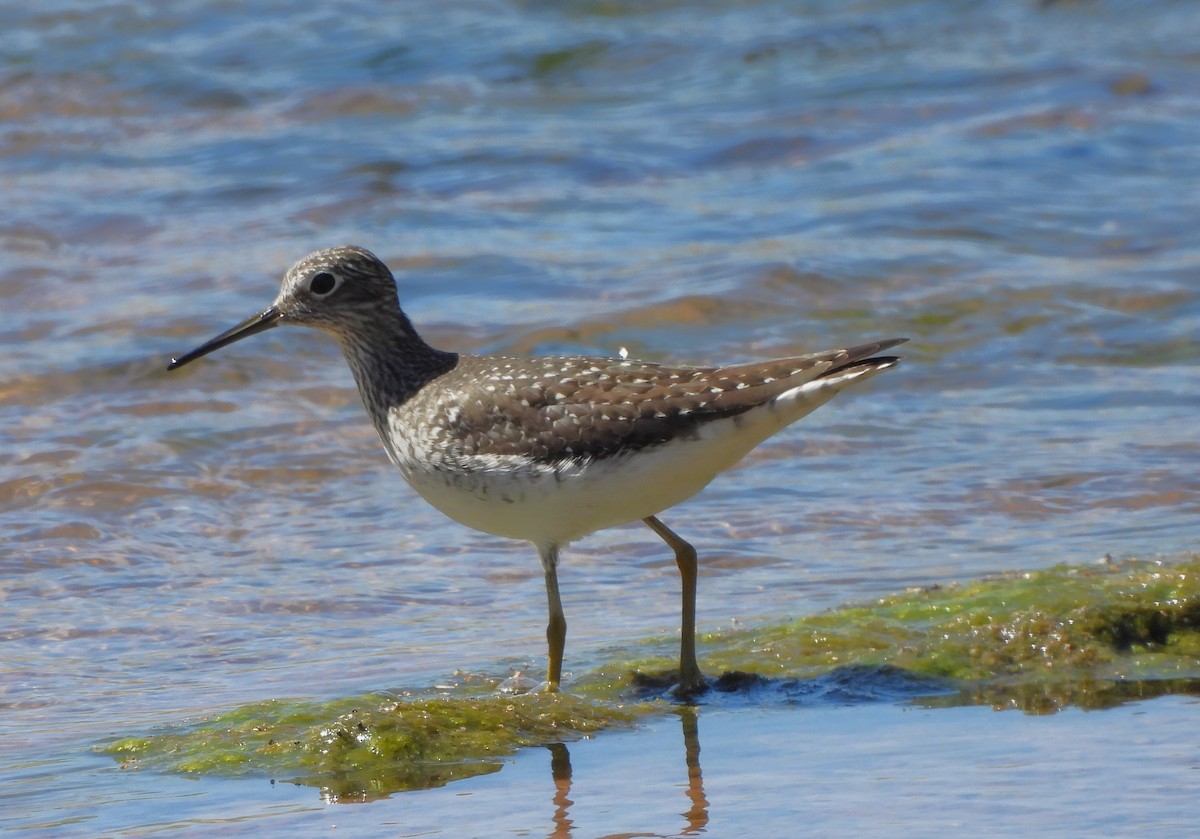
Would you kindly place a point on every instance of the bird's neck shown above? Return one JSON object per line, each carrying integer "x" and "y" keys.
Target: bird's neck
{"x": 391, "y": 365}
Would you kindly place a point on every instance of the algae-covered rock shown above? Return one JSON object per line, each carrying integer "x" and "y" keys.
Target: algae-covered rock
{"x": 1035, "y": 640}
{"x": 1090, "y": 636}
{"x": 372, "y": 745}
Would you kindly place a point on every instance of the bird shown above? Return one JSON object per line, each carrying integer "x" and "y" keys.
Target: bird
{"x": 549, "y": 449}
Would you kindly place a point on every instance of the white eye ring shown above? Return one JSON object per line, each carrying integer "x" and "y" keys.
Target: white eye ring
{"x": 323, "y": 283}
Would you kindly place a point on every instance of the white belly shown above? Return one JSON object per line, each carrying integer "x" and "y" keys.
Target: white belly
{"x": 555, "y": 506}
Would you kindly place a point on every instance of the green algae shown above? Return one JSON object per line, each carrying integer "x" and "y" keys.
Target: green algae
{"x": 1069, "y": 635}
{"x": 372, "y": 745}
{"x": 1091, "y": 637}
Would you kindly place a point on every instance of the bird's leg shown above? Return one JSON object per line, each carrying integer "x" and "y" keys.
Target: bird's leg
{"x": 691, "y": 680}
{"x": 556, "y": 629}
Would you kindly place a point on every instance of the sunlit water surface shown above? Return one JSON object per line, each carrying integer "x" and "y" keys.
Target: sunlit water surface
{"x": 1011, "y": 184}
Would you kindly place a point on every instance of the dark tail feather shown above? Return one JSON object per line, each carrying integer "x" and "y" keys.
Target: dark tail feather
{"x": 863, "y": 356}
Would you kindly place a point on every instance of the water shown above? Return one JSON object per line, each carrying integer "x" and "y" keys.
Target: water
{"x": 822, "y": 772}
{"x": 1011, "y": 184}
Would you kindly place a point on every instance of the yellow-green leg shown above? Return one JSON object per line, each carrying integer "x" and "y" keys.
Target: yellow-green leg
{"x": 556, "y": 629}
{"x": 691, "y": 680}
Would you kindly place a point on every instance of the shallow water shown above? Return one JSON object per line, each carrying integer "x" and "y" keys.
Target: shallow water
{"x": 1011, "y": 184}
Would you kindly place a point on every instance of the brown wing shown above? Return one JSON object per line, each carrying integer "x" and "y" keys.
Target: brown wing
{"x": 567, "y": 408}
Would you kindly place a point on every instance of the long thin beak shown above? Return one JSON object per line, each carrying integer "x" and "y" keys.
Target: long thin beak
{"x": 261, "y": 322}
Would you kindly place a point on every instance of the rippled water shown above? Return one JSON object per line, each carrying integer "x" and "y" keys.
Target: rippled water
{"x": 1011, "y": 184}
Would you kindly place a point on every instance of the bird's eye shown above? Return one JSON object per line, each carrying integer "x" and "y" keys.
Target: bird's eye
{"x": 322, "y": 283}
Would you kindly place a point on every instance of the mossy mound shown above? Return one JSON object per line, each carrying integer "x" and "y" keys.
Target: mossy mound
{"x": 1034, "y": 640}
{"x": 1089, "y": 636}
{"x": 372, "y": 745}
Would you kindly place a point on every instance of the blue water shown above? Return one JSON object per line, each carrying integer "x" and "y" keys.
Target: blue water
{"x": 1011, "y": 184}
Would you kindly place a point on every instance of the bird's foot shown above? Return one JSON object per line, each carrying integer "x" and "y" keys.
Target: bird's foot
{"x": 519, "y": 683}
{"x": 690, "y": 689}
{"x": 682, "y": 689}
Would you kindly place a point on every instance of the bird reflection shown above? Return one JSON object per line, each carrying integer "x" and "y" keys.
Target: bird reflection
{"x": 560, "y": 770}
{"x": 696, "y": 815}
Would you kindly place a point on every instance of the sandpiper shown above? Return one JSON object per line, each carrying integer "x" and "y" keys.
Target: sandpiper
{"x": 549, "y": 449}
